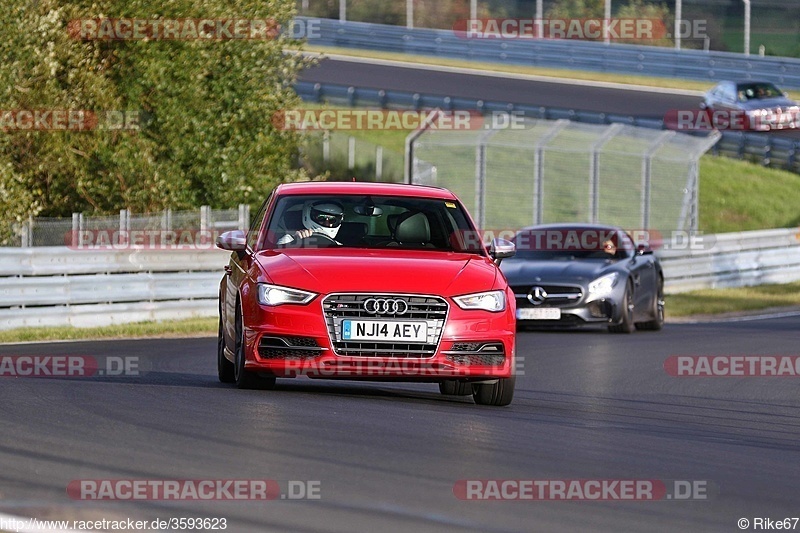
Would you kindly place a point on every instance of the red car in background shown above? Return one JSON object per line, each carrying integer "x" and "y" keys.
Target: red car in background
{"x": 367, "y": 281}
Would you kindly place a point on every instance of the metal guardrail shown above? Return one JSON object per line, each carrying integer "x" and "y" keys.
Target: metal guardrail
{"x": 733, "y": 260}
{"x": 767, "y": 150}
{"x": 57, "y": 286}
{"x": 562, "y": 53}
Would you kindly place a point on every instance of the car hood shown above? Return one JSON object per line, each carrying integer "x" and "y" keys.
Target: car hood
{"x": 420, "y": 272}
{"x": 767, "y": 103}
{"x": 520, "y": 271}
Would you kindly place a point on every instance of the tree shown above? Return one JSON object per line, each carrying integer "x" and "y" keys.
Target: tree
{"x": 205, "y": 134}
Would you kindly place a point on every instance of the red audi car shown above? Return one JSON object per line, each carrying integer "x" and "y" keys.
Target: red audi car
{"x": 367, "y": 281}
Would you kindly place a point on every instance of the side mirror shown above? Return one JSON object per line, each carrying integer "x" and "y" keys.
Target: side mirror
{"x": 233, "y": 241}
{"x": 500, "y": 249}
{"x": 643, "y": 249}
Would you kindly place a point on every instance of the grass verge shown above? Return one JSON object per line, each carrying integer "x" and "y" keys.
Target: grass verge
{"x": 740, "y": 196}
{"x": 191, "y": 327}
{"x": 739, "y": 300}
{"x": 696, "y": 303}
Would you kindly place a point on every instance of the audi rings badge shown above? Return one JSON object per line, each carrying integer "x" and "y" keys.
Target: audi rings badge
{"x": 386, "y": 306}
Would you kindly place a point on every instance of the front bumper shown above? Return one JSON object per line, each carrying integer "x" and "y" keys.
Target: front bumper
{"x": 587, "y": 310}
{"x": 294, "y": 340}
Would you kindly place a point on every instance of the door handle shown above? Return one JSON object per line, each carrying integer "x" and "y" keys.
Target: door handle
{"x": 227, "y": 270}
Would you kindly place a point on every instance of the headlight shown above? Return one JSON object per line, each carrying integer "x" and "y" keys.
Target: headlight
{"x": 276, "y": 295}
{"x": 603, "y": 285}
{"x": 488, "y": 301}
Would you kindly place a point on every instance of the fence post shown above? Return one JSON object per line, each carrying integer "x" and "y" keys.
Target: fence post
{"x": 647, "y": 175}
{"x": 594, "y": 170}
{"x": 74, "y": 238}
{"x": 538, "y": 169}
{"x": 379, "y": 163}
{"x": 480, "y": 177}
{"x": 205, "y": 218}
{"x": 244, "y": 217}
{"x": 351, "y": 153}
{"x": 326, "y": 146}
{"x": 124, "y": 225}
{"x": 27, "y": 233}
{"x": 408, "y": 171}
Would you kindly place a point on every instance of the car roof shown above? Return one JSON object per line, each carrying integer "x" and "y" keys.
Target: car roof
{"x": 361, "y": 187}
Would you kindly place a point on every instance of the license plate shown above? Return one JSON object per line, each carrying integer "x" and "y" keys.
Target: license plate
{"x": 385, "y": 330}
{"x": 539, "y": 313}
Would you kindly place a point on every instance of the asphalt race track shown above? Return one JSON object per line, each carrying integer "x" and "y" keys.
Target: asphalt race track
{"x": 575, "y": 95}
{"x": 590, "y": 405}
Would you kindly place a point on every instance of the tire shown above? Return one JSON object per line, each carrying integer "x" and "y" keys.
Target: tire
{"x": 658, "y": 310}
{"x": 245, "y": 379}
{"x": 451, "y": 387}
{"x": 497, "y": 394}
{"x": 626, "y": 325}
{"x": 225, "y": 369}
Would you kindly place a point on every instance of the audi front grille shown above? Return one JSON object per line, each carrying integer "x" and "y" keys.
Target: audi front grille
{"x": 432, "y": 309}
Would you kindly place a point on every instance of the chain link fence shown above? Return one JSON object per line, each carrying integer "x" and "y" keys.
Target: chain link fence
{"x": 49, "y": 231}
{"x": 346, "y": 156}
{"x": 562, "y": 171}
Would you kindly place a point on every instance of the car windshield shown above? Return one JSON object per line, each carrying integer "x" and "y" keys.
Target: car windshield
{"x": 363, "y": 221}
{"x": 757, "y": 91}
{"x": 555, "y": 244}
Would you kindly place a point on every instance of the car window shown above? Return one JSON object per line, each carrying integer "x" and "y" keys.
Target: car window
{"x": 758, "y": 91}
{"x": 570, "y": 243}
{"x": 360, "y": 221}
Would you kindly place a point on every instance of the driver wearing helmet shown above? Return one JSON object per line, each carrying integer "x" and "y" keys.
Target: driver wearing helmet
{"x": 321, "y": 216}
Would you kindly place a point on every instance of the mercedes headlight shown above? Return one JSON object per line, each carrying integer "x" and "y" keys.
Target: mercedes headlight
{"x": 487, "y": 301}
{"x": 276, "y": 295}
{"x": 603, "y": 285}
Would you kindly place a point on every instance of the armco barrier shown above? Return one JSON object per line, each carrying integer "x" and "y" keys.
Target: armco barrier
{"x": 733, "y": 260}
{"x": 767, "y": 150}
{"x": 562, "y": 53}
{"x": 56, "y": 286}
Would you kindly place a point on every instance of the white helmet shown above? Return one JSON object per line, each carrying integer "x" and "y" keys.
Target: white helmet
{"x": 323, "y": 216}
